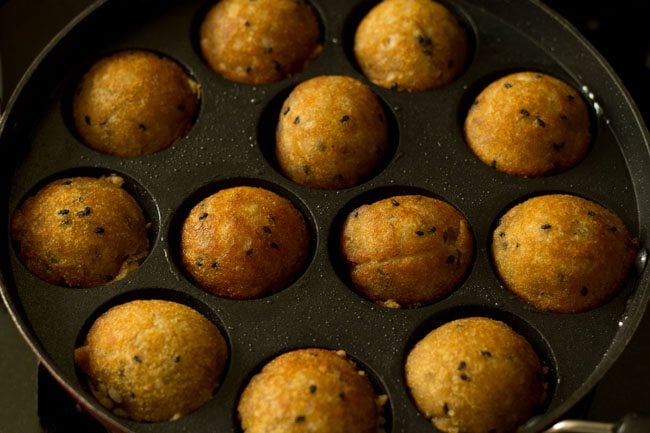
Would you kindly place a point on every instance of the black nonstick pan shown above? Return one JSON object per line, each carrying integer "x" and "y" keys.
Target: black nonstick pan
{"x": 231, "y": 144}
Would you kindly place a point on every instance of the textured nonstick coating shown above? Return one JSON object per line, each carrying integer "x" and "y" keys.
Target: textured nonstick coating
{"x": 231, "y": 143}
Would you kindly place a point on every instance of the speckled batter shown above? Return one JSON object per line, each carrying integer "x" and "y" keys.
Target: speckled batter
{"x": 244, "y": 243}
{"x": 310, "y": 390}
{"x": 410, "y": 45}
{"x": 562, "y": 253}
{"x": 475, "y": 375}
{"x": 80, "y": 232}
{"x": 332, "y": 133}
{"x": 152, "y": 360}
{"x": 134, "y": 103}
{"x": 529, "y": 124}
{"x": 407, "y": 250}
{"x": 261, "y": 41}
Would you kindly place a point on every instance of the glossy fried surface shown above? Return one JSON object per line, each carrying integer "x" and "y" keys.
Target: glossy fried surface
{"x": 80, "y": 232}
{"x": 152, "y": 360}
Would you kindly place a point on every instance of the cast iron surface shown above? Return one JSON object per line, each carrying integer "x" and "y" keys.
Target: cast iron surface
{"x": 230, "y": 144}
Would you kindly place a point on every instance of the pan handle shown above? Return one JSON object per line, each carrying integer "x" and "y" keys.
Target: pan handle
{"x": 631, "y": 423}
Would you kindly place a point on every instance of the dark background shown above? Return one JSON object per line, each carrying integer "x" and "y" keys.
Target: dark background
{"x": 620, "y": 30}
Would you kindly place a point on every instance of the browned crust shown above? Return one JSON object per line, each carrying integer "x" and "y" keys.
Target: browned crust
{"x": 332, "y": 133}
{"x": 152, "y": 360}
{"x": 529, "y": 124}
{"x": 563, "y": 253}
{"x": 244, "y": 243}
{"x": 410, "y": 45}
{"x": 407, "y": 249}
{"x": 313, "y": 390}
{"x": 475, "y": 375}
{"x": 134, "y": 103}
{"x": 262, "y": 41}
{"x": 80, "y": 232}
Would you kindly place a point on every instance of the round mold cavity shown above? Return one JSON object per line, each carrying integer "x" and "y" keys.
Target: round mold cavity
{"x": 340, "y": 265}
{"x": 174, "y": 229}
{"x": 142, "y": 196}
{"x": 521, "y": 326}
{"x": 471, "y": 94}
{"x": 268, "y": 121}
{"x": 195, "y": 39}
{"x": 635, "y": 268}
{"x": 378, "y": 385}
{"x": 154, "y": 294}
{"x": 362, "y": 9}
{"x": 73, "y": 79}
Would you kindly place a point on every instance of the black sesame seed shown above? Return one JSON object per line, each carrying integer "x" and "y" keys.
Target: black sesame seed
{"x": 563, "y": 116}
{"x": 570, "y": 97}
{"x": 445, "y": 408}
{"x": 465, "y": 378}
{"x": 356, "y": 214}
{"x": 87, "y": 119}
{"x": 249, "y": 69}
{"x": 558, "y": 146}
{"x": 274, "y": 245}
{"x": 502, "y": 234}
{"x": 539, "y": 75}
{"x": 342, "y": 395}
{"x": 507, "y": 85}
{"x": 486, "y": 353}
{"x": 312, "y": 389}
{"x": 296, "y": 120}
{"x": 249, "y": 252}
{"x": 137, "y": 359}
{"x": 278, "y": 66}
{"x": 584, "y": 291}
{"x": 215, "y": 265}
{"x": 462, "y": 365}
{"x": 177, "y": 358}
{"x": 199, "y": 263}
{"x": 450, "y": 260}
{"x": 344, "y": 119}
{"x": 424, "y": 41}
{"x": 63, "y": 212}
{"x": 540, "y": 123}
{"x": 300, "y": 419}
{"x": 613, "y": 229}
{"x": 181, "y": 107}
{"x": 432, "y": 229}
{"x": 524, "y": 112}
{"x": 99, "y": 230}
{"x": 306, "y": 169}
{"x": 67, "y": 182}
{"x": 419, "y": 232}
{"x": 247, "y": 23}
{"x": 142, "y": 126}
{"x": 203, "y": 216}
{"x": 394, "y": 202}
{"x": 591, "y": 213}
{"x": 84, "y": 212}
{"x": 267, "y": 229}
{"x": 545, "y": 226}
{"x": 286, "y": 111}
